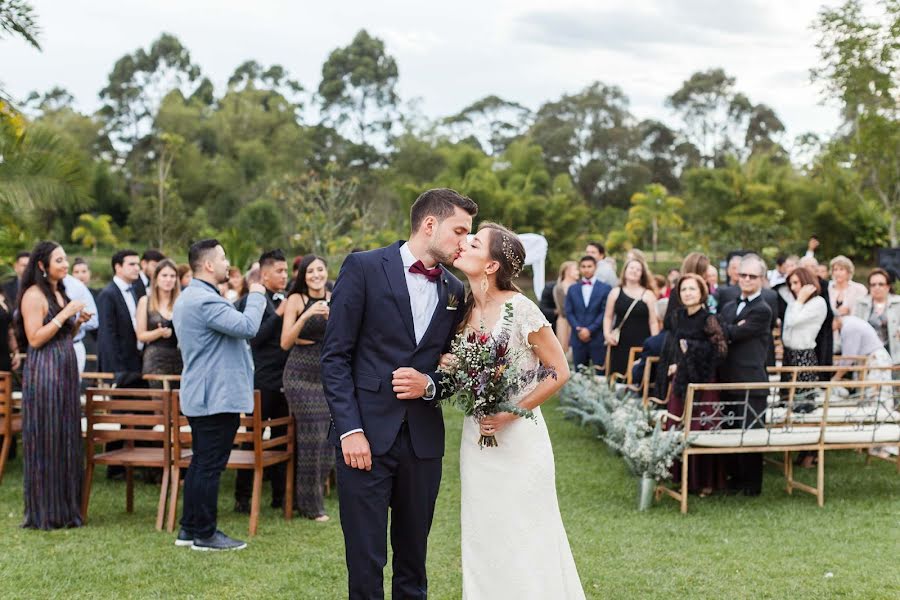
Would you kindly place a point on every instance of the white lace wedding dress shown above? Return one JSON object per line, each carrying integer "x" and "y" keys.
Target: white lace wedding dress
{"x": 514, "y": 545}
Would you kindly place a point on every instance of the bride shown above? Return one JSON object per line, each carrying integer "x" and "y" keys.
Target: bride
{"x": 513, "y": 541}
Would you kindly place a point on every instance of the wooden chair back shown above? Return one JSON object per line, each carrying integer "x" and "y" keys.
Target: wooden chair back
{"x": 10, "y": 418}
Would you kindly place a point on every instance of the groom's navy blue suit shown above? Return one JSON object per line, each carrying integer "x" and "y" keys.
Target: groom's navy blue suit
{"x": 370, "y": 334}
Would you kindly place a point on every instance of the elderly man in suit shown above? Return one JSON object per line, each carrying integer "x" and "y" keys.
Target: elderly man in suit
{"x": 585, "y": 307}
{"x": 747, "y": 323}
{"x": 216, "y": 386}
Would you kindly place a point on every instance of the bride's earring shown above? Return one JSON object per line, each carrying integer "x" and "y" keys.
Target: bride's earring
{"x": 484, "y": 284}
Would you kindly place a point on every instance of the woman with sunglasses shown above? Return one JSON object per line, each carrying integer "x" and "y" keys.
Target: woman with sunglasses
{"x": 881, "y": 309}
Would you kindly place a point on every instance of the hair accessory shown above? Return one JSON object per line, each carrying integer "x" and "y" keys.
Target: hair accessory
{"x": 511, "y": 256}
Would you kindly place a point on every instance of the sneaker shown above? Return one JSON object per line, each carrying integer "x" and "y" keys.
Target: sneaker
{"x": 217, "y": 542}
{"x": 184, "y": 539}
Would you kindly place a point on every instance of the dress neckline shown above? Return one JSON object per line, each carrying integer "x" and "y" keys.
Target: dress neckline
{"x": 500, "y": 320}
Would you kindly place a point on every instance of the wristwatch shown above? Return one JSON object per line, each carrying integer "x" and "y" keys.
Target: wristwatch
{"x": 429, "y": 389}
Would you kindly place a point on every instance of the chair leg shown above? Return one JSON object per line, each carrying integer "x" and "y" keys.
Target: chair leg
{"x": 173, "y": 498}
{"x": 289, "y": 491}
{"x": 254, "y": 501}
{"x": 789, "y": 473}
{"x": 163, "y": 495}
{"x": 4, "y": 452}
{"x": 685, "y": 460}
{"x": 86, "y": 490}
{"x": 820, "y": 479}
{"x": 129, "y": 489}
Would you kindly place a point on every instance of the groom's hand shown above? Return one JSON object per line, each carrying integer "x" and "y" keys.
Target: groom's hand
{"x": 409, "y": 384}
{"x": 357, "y": 453}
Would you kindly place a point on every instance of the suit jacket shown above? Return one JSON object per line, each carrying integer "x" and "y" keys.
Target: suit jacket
{"x": 732, "y": 293}
{"x": 590, "y": 316}
{"x": 749, "y": 335}
{"x": 117, "y": 350}
{"x": 548, "y": 304}
{"x": 370, "y": 334}
{"x": 268, "y": 357}
{"x": 212, "y": 334}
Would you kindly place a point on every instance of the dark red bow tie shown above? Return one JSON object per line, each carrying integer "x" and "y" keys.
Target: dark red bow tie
{"x": 587, "y": 282}
{"x": 419, "y": 269}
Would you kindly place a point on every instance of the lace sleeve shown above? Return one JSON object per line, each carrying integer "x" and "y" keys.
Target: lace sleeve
{"x": 527, "y": 318}
{"x": 716, "y": 336}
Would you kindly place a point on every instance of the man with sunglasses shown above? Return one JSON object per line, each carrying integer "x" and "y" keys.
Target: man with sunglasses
{"x": 747, "y": 323}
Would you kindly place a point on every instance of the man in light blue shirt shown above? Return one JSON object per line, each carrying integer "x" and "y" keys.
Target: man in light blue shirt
{"x": 76, "y": 290}
{"x": 216, "y": 386}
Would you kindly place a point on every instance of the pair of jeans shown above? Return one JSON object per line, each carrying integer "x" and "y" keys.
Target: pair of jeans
{"x": 212, "y": 440}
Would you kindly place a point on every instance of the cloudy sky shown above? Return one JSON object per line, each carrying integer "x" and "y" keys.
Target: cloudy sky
{"x": 453, "y": 53}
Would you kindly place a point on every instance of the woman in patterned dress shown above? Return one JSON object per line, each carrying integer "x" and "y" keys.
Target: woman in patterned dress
{"x": 51, "y": 411}
{"x": 154, "y": 323}
{"x": 302, "y": 333}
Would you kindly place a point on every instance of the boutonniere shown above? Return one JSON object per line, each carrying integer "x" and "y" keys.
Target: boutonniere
{"x": 452, "y": 302}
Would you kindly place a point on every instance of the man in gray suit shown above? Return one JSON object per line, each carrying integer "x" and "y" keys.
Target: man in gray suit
{"x": 216, "y": 386}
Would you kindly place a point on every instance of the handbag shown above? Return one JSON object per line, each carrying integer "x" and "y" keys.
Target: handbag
{"x": 615, "y": 333}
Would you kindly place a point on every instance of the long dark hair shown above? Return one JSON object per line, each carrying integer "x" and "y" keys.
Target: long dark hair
{"x": 34, "y": 275}
{"x": 506, "y": 248}
{"x": 300, "y": 286}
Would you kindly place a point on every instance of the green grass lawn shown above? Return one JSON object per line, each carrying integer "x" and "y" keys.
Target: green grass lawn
{"x": 775, "y": 546}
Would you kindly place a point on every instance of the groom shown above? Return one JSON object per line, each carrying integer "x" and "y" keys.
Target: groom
{"x": 393, "y": 312}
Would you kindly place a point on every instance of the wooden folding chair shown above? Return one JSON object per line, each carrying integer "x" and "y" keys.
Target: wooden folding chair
{"x": 10, "y": 418}
{"x": 265, "y": 453}
{"x": 128, "y": 415}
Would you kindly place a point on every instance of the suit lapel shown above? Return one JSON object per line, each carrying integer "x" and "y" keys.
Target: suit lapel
{"x": 595, "y": 293}
{"x": 393, "y": 270}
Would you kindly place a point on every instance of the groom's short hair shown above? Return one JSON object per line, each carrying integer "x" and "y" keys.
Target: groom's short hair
{"x": 440, "y": 204}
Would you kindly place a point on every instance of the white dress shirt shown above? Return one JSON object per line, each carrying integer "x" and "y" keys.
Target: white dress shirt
{"x": 423, "y": 294}
{"x": 76, "y": 290}
{"x": 742, "y": 303}
{"x": 587, "y": 290}
{"x": 130, "y": 303}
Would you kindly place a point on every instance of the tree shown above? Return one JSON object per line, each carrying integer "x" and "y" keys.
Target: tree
{"x": 493, "y": 121}
{"x": 168, "y": 148}
{"x": 18, "y": 19}
{"x": 651, "y": 210}
{"x": 93, "y": 231}
{"x": 359, "y": 82}
{"x": 859, "y": 69}
{"x": 720, "y": 120}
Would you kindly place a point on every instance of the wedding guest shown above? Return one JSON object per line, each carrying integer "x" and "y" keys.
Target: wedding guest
{"x": 154, "y": 323}
{"x": 302, "y": 333}
{"x": 11, "y": 288}
{"x": 149, "y": 260}
{"x": 825, "y": 338}
{"x": 234, "y": 287}
{"x": 784, "y": 265}
{"x": 216, "y": 386}
{"x": 585, "y": 308}
{"x": 881, "y": 309}
{"x": 859, "y": 338}
{"x": 811, "y": 246}
{"x": 184, "y": 275}
{"x": 747, "y": 323}
{"x": 672, "y": 278}
{"x": 546, "y": 304}
{"x": 732, "y": 270}
{"x": 843, "y": 291}
{"x": 701, "y": 347}
{"x": 76, "y": 290}
{"x": 568, "y": 276}
{"x": 118, "y": 348}
{"x": 9, "y": 348}
{"x": 51, "y": 410}
{"x": 268, "y": 363}
{"x": 712, "y": 279}
{"x": 659, "y": 284}
{"x": 630, "y": 314}
{"x": 822, "y": 271}
{"x": 695, "y": 262}
{"x": 803, "y": 320}
{"x": 605, "y": 272}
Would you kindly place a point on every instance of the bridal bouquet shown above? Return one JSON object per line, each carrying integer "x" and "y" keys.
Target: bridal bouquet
{"x": 486, "y": 375}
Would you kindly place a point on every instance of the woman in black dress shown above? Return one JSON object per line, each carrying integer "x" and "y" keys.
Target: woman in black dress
{"x": 51, "y": 410}
{"x": 700, "y": 345}
{"x": 303, "y": 330}
{"x": 630, "y": 314}
{"x": 154, "y": 323}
